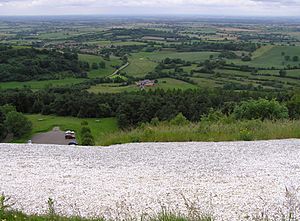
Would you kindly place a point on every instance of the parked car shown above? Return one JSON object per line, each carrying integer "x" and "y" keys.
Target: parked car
{"x": 73, "y": 143}
{"x": 70, "y": 135}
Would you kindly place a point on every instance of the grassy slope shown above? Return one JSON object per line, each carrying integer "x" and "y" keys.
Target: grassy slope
{"x": 96, "y": 59}
{"x": 139, "y": 66}
{"x": 99, "y": 127}
{"x": 272, "y": 57}
{"x": 247, "y": 130}
{"x": 36, "y": 85}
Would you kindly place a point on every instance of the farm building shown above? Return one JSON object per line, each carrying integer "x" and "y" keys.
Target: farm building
{"x": 145, "y": 83}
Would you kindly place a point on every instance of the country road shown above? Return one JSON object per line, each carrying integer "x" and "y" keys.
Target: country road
{"x": 230, "y": 180}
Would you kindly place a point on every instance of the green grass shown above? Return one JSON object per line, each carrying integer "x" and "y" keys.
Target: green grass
{"x": 271, "y": 57}
{"x": 187, "y": 56}
{"x": 99, "y": 127}
{"x": 115, "y": 43}
{"x": 37, "y": 85}
{"x": 163, "y": 83}
{"x": 240, "y": 130}
{"x": 139, "y": 66}
{"x": 96, "y": 59}
{"x": 193, "y": 214}
{"x": 261, "y": 51}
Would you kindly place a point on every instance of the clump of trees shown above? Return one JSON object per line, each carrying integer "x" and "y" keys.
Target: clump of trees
{"x": 261, "y": 109}
{"x": 32, "y": 64}
{"x": 13, "y": 122}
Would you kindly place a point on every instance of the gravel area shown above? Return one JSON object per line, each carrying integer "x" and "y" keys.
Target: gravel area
{"x": 230, "y": 179}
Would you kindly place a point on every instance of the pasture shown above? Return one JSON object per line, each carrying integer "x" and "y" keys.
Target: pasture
{"x": 101, "y": 72}
{"x": 139, "y": 66}
{"x": 187, "y": 56}
{"x": 272, "y": 56}
{"x": 37, "y": 85}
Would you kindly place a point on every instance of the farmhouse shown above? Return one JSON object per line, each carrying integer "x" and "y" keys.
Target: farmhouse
{"x": 145, "y": 83}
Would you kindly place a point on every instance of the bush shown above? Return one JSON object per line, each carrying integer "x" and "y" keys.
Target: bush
{"x": 87, "y": 138}
{"x": 17, "y": 124}
{"x": 246, "y": 135}
{"x": 261, "y": 109}
{"x": 179, "y": 120}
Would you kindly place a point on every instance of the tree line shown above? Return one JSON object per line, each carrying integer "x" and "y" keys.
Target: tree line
{"x": 134, "y": 108}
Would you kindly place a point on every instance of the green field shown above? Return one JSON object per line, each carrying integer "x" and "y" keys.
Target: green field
{"x": 37, "y": 85}
{"x": 109, "y": 69}
{"x": 139, "y": 66}
{"x": 187, "y": 56}
{"x": 99, "y": 127}
{"x": 115, "y": 43}
{"x": 271, "y": 57}
{"x": 163, "y": 83}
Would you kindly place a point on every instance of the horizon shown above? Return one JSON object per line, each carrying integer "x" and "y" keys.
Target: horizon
{"x": 246, "y": 8}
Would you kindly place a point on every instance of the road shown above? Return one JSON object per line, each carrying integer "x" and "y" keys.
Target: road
{"x": 120, "y": 69}
{"x": 229, "y": 179}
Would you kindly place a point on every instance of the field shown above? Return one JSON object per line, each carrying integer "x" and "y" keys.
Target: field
{"x": 271, "y": 56}
{"x": 187, "y": 56}
{"x": 139, "y": 66}
{"x": 147, "y": 44}
{"x": 109, "y": 68}
{"x": 38, "y": 85}
{"x": 99, "y": 127}
{"x": 164, "y": 83}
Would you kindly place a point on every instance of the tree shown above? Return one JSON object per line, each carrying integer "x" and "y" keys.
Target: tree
{"x": 261, "y": 109}
{"x": 17, "y": 124}
{"x": 95, "y": 66}
{"x": 87, "y": 138}
{"x": 102, "y": 64}
{"x": 246, "y": 58}
{"x": 295, "y": 58}
{"x": 287, "y": 58}
{"x": 5, "y": 109}
{"x": 282, "y": 73}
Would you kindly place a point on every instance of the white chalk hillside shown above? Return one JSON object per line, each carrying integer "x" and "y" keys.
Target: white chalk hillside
{"x": 230, "y": 180}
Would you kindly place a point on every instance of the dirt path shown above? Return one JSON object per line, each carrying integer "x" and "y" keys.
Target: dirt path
{"x": 56, "y": 136}
{"x": 229, "y": 179}
{"x": 120, "y": 69}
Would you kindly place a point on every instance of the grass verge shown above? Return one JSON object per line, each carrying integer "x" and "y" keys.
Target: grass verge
{"x": 207, "y": 131}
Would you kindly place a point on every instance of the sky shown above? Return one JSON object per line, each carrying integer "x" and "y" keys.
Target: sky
{"x": 151, "y": 7}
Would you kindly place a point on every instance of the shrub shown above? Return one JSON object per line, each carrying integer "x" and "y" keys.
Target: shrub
{"x": 87, "y": 138}
{"x": 261, "y": 109}
{"x": 179, "y": 120}
{"x": 246, "y": 135}
{"x": 17, "y": 124}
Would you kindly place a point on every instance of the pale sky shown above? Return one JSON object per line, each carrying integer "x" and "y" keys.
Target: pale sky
{"x": 151, "y": 7}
